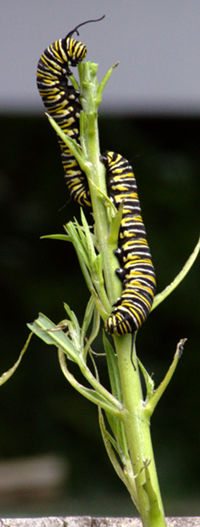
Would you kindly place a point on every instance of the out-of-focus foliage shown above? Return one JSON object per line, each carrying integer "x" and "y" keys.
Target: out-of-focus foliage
{"x": 36, "y": 405}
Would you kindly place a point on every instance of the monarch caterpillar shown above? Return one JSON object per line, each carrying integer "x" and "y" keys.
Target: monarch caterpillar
{"x": 136, "y": 271}
{"x": 62, "y": 103}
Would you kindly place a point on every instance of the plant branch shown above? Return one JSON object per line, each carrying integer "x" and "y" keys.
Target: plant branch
{"x": 157, "y": 394}
{"x": 135, "y": 438}
{"x": 178, "y": 279}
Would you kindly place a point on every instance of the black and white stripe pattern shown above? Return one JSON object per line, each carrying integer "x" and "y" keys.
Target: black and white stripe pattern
{"x": 136, "y": 271}
{"x": 61, "y": 101}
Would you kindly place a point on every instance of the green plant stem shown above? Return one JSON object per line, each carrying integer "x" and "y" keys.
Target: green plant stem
{"x": 96, "y": 175}
{"x": 136, "y": 422}
{"x": 137, "y": 429}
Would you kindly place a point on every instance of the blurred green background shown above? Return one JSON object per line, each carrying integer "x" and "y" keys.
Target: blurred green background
{"x": 40, "y": 413}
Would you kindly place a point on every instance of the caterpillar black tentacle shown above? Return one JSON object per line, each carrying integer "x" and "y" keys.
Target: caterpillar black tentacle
{"x": 136, "y": 271}
{"x": 75, "y": 30}
{"x": 62, "y": 103}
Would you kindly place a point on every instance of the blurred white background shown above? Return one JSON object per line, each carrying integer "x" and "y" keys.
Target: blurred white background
{"x": 156, "y": 42}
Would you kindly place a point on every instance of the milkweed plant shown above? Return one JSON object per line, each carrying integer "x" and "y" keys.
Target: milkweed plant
{"x": 126, "y": 408}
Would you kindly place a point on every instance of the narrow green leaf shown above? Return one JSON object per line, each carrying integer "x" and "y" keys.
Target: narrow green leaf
{"x": 97, "y": 267}
{"x": 113, "y": 369}
{"x": 102, "y": 195}
{"x": 7, "y": 374}
{"x": 121, "y": 471}
{"x": 73, "y": 328}
{"x": 117, "y": 408}
{"x": 103, "y": 83}
{"x": 81, "y": 254}
{"x": 71, "y": 143}
{"x": 94, "y": 332}
{"x": 74, "y": 82}
{"x": 109, "y": 442}
{"x": 91, "y": 394}
{"x": 88, "y": 239}
{"x": 86, "y": 275}
{"x": 98, "y": 281}
{"x": 80, "y": 232}
{"x": 178, "y": 279}
{"x": 90, "y": 262}
{"x": 114, "y": 226}
{"x": 155, "y": 515}
{"x": 148, "y": 380}
{"x": 77, "y": 242}
{"x": 114, "y": 377}
{"x": 87, "y": 316}
{"x": 157, "y": 394}
{"x": 72, "y": 317}
{"x": 78, "y": 239}
{"x": 47, "y": 331}
{"x": 62, "y": 237}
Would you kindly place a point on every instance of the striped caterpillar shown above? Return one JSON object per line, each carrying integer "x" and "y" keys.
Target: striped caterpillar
{"x": 136, "y": 271}
{"x": 61, "y": 101}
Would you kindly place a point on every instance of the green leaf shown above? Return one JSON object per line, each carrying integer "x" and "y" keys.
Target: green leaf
{"x": 124, "y": 472}
{"x": 114, "y": 227}
{"x": 155, "y": 515}
{"x": 97, "y": 268}
{"x": 87, "y": 316}
{"x": 157, "y": 394}
{"x": 62, "y": 237}
{"x": 103, "y": 83}
{"x": 90, "y": 262}
{"x": 98, "y": 281}
{"x": 93, "y": 395}
{"x": 77, "y": 239}
{"x": 148, "y": 380}
{"x": 94, "y": 331}
{"x": 113, "y": 369}
{"x": 102, "y": 195}
{"x": 109, "y": 442}
{"x": 114, "y": 377}
{"x": 73, "y": 328}
{"x": 71, "y": 144}
{"x": 72, "y": 317}
{"x": 178, "y": 279}
{"x": 90, "y": 249}
{"x": 52, "y": 335}
{"x": 74, "y": 81}
{"x": 7, "y": 374}
{"x": 81, "y": 253}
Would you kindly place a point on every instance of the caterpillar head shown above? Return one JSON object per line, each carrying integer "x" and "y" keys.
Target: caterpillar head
{"x": 76, "y": 51}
